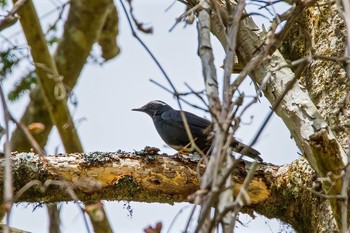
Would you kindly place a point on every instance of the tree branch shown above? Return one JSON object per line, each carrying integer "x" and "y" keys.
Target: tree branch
{"x": 50, "y": 81}
{"x": 11, "y": 17}
{"x": 82, "y": 28}
{"x": 326, "y": 78}
{"x": 275, "y": 191}
{"x": 308, "y": 128}
{"x": 107, "y": 36}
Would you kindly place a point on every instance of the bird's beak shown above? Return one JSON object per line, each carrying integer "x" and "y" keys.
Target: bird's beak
{"x": 138, "y": 109}
{"x": 143, "y": 109}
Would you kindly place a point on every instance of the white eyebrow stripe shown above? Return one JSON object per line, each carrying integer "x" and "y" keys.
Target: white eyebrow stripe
{"x": 158, "y": 102}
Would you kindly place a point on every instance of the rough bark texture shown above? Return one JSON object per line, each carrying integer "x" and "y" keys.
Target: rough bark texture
{"x": 326, "y": 81}
{"x": 321, "y": 32}
{"x": 307, "y": 126}
{"x": 280, "y": 192}
{"x": 276, "y": 191}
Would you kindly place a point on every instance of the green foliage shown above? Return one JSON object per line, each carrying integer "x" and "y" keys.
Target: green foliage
{"x": 8, "y": 59}
{"x": 51, "y": 35}
{"x": 52, "y": 40}
{"x": 3, "y": 3}
{"x": 24, "y": 85}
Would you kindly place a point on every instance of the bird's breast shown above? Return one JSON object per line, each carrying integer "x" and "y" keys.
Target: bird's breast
{"x": 174, "y": 136}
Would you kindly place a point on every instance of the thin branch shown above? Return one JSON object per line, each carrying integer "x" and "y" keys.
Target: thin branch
{"x": 11, "y": 17}
{"x": 89, "y": 17}
{"x": 175, "y": 92}
{"x": 176, "y": 216}
{"x": 345, "y": 194}
{"x": 182, "y": 94}
{"x": 189, "y": 12}
{"x": 41, "y": 153}
{"x": 50, "y": 81}
{"x": 146, "y": 48}
{"x": 8, "y": 182}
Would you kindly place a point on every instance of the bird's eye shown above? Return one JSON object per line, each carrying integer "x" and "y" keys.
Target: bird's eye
{"x": 150, "y": 106}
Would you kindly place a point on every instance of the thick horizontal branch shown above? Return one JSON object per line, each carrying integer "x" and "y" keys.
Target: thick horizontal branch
{"x": 275, "y": 191}
{"x": 110, "y": 176}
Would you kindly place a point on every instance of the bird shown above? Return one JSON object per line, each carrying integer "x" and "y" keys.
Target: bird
{"x": 170, "y": 126}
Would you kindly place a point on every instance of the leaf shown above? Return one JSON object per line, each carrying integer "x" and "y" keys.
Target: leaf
{"x": 8, "y": 60}
{"x": 156, "y": 229}
{"x": 36, "y": 127}
{"x": 3, "y": 3}
{"x": 23, "y": 86}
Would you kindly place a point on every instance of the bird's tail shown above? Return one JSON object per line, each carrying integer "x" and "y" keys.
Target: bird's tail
{"x": 246, "y": 150}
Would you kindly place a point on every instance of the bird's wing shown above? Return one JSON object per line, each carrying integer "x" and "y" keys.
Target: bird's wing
{"x": 197, "y": 124}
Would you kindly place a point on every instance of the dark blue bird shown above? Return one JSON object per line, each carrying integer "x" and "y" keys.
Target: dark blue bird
{"x": 171, "y": 129}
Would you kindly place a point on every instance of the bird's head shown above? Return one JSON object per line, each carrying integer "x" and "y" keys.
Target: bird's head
{"x": 153, "y": 107}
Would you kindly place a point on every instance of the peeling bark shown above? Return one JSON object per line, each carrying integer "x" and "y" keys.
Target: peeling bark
{"x": 279, "y": 192}
{"x": 310, "y": 131}
{"x": 276, "y": 191}
{"x": 325, "y": 79}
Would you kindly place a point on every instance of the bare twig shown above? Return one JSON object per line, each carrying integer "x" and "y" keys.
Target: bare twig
{"x": 183, "y": 94}
{"x": 50, "y": 80}
{"x": 139, "y": 25}
{"x": 42, "y": 154}
{"x": 68, "y": 187}
{"x": 29, "y": 136}
{"x": 146, "y": 48}
{"x": 184, "y": 15}
{"x": 345, "y": 194}
{"x": 11, "y": 17}
{"x": 53, "y": 211}
{"x": 176, "y": 216}
{"x": 8, "y": 194}
{"x": 61, "y": 9}
{"x": 211, "y": 85}
{"x": 175, "y": 92}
